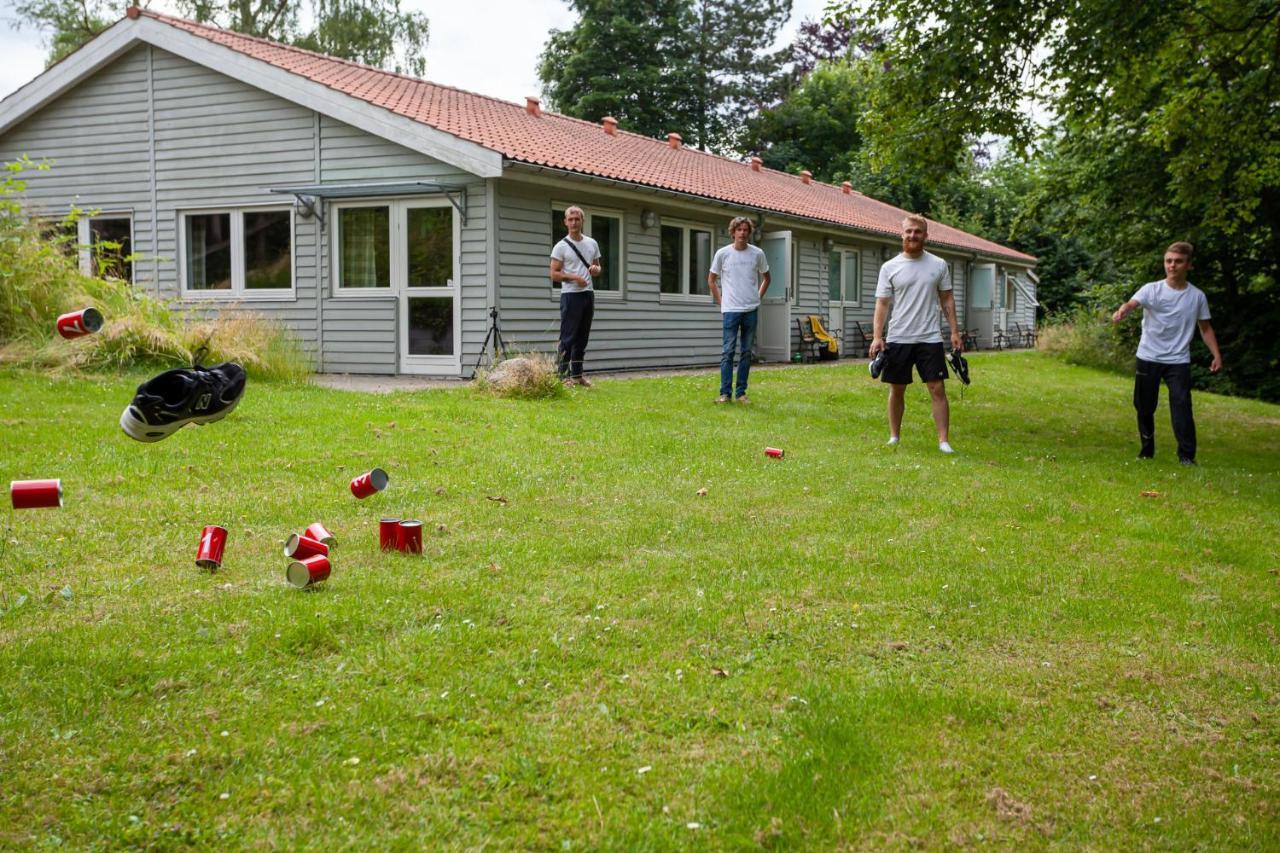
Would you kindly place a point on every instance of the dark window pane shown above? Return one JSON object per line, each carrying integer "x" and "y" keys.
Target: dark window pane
{"x": 671, "y": 250}
{"x": 112, "y": 240}
{"x": 834, "y": 275}
{"x": 431, "y": 326}
{"x": 699, "y": 261}
{"x": 208, "y": 238}
{"x": 60, "y": 231}
{"x": 365, "y": 251}
{"x": 852, "y": 289}
{"x": 430, "y": 246}
{"x": 268, "y": 254}
{"x": 558, "y": 231}
{"x": 607, "y": 231}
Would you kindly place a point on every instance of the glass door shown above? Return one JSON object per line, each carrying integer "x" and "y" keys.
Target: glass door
{"x": 427, "y": 285}
{"x": 773, "y": 339}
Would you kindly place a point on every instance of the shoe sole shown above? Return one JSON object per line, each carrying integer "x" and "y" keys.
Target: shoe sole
{"x": 139, "y": 430}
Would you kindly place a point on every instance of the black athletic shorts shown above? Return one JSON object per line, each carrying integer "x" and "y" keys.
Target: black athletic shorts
{"x": 929, "y": 361}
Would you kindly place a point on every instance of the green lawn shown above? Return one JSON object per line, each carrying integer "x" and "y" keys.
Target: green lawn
{"x": 847, "y": 647}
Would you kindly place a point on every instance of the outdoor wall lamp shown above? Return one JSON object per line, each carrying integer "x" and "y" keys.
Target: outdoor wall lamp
{"x": 828, "y": 244}
{"x": 648, "y": 218}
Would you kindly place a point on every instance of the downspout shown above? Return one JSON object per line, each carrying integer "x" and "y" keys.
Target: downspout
{"x": 151, "y": 172}
{"x": 318, "y": 224}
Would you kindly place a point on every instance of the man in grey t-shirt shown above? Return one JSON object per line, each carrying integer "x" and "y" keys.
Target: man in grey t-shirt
{"x": 1172, "y": 309}
{"x": 738, "y": 279}
{"x": 917, "y": 285}
{"x": 575, "y": 262}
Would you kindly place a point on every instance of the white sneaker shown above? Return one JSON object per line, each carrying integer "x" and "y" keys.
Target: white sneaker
{"x": 945, "y": 447}
{"x": 892, "y": 442}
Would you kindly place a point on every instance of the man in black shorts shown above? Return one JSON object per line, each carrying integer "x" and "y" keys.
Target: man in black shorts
{"x": 915, "y": 284}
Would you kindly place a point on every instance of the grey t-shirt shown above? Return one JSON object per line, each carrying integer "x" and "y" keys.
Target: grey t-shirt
{"x": 571, "y": 263}
{"x": 738, "y": 277}
{"x": 1169, "y": 320}
{"x": 913, "y": 284}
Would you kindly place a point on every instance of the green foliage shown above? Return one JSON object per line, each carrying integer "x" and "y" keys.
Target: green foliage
{"x": 1086, "y": 336}
{"x": 522, "y": 376}
{"x": 375, "y": 32}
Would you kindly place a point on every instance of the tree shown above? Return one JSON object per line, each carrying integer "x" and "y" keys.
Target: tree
{"x": 625, "y": 58}
{"x": 376, "y": 32}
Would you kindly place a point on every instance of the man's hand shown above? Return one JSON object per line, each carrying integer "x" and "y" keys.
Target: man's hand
{"x": 1216, "y": 365}
{"x": 594, "y": 269}
{"x": 957, "y": 342}
{"x": 877, "y": 344}
{"x": 1118, "y": 316}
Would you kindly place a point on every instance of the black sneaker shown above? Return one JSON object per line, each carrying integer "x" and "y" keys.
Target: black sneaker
{"x": 877, "y": 365}
{"x": 187, "y": 395}
{"x": 960, "y": 365}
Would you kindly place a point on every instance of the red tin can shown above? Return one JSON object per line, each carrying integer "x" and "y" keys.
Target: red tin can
{"x": 36, "y": 494}
{"x": 213, "y": 541}
{"x": 389, "y": 534}
{"x": 309, "y": 571}
{"x": 369, "y": 483}
{"x": 301, "y": 546}
{"x": 409, "y": 537}
{"x": 773, "y": 452}
{"x": 77, "y": 324}
{"x": 321, "y": 533}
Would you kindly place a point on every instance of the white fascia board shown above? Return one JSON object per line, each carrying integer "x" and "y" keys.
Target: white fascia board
{"x": 65, "y": 74}
{"x": 415, "y": 136}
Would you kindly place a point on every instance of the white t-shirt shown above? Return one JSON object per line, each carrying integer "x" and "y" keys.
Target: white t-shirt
{"x": 738, "y": 277}
{"x": 913, "y": 284}
{"x": 590, "y": 250}
{"x": 1169, "y": 320}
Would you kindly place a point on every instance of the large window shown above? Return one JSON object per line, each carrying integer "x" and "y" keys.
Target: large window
{"x": 685, "y": 254}
{"x": 843, "y": 276}
{"x": 237, "y": 253}
{"x": 603, "y": 226}
{"x": 364, "y": 247}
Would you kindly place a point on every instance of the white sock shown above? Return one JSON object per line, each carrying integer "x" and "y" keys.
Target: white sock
{"x": 893, "y": 439}
{"x": 945, "y": 447}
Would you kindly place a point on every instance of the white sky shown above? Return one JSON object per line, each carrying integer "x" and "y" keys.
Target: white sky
{"x": 485, "y": 46}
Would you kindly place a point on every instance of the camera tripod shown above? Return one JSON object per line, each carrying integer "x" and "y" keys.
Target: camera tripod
{"x": 495, "y": 335}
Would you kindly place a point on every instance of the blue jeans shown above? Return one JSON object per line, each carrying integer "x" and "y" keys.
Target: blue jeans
{"x": 740, "y": 329}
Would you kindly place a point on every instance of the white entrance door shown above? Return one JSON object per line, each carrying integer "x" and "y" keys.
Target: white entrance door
{"x": 773, "y": 338}
{"x": 426, "y": 279}
{"x": 981, "y": 290}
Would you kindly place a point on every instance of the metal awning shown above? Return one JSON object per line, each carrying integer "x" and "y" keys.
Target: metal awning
{"x": 1024, "y": 287}
{"x": 307, "y": 195}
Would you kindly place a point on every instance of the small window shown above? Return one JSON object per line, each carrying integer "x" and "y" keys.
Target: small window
{"x": 237, "y": 253}
{"x": 62, "y": 232}
{"x": 685, "y": 256}
{"x": 842, "y": 276}
{"x": 364, "y": 247}
{"x": 110, "y": 245}
{"x": 430, "y": 247}
{"x": 605, "y": 227}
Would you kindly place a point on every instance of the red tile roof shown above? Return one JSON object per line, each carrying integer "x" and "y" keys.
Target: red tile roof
{"x": 583, "y": 147}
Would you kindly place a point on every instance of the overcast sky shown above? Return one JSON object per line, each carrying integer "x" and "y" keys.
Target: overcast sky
{"x": 485, "y": 46}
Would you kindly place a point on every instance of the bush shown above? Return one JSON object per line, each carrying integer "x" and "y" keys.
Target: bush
{"x": 40, "y": 278}
{"x": 524, "y": 375}
{"x": 1087, "y": 337}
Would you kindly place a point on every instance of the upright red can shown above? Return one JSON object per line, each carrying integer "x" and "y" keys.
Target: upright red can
{"x": 369, "y": 483}
{"x": 773, "y": 452}
{"x": 35, "y": 494}
{"x": 409, "y": 537}
{"x": 389, "y": 534}
{"x": 309, "y": 571}
{"x": 301, "y": 546}
{"x": 77, "y": 324}
{"x": 213, "y": 541}
{"x": 319, "y": 532}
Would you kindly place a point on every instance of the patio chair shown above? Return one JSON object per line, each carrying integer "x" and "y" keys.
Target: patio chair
{"x": 808, "y": 341}
{"x": 859, "y": 342}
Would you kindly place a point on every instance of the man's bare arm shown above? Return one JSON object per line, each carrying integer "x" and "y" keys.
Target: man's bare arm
{"x": 948, "y": 298}
{"x": 1211, "y": 341}
{"x": 877, "y": 325}
{"x": 713, "y": 283}
{"x": 1125, "y": 310}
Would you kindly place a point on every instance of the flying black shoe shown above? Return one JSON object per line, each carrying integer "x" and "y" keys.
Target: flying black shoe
{"x": 960, "y": 365}
{"x": 877, "y": 364}
{"x": 187, "y": 395}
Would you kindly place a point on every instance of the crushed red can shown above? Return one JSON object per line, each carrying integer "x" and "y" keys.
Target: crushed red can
{"x": 321, "y": 533}
{"x": 35, "y": 494}
{"x": 773, "y": 452}
{"x": 369, "y": 483}
{"x": 77, "y": 324}
{"x": 389, "y": 534}
{"x": 308, "y": 572}
{"x": 299, "y": 546}
{"x": 409, "y": 537}
{"x": 213, "y": 541}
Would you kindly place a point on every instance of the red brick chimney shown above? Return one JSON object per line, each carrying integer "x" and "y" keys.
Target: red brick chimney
{"x": 674, "y": 139}
{"x": 846, "y": 188}
{"x": 805, "y": 176}
{"x": 533, "y": 106}
{"x": 756, "y": 163}
{"x": 610, "y": 125}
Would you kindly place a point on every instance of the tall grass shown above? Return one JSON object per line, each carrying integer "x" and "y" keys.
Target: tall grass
{"x": 40, "y": 278}
{"x": 1086, "y": 337}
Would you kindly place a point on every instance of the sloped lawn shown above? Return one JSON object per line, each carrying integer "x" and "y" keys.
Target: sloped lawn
{"x": 847, "y": 647}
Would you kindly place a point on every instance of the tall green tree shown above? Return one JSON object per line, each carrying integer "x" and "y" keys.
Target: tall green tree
{"x": 375, "y": 32}
{"x": 626, "y": 58}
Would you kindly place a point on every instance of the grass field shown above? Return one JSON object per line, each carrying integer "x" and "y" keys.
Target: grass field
{"x": 849, "y": 647}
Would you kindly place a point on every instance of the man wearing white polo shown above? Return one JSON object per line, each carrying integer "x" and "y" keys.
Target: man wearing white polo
{"x": 738, "y": 279}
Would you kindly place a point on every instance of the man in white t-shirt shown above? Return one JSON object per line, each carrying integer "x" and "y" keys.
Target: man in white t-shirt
{"x": 738, "y": 279}
{"x": 917, "y": 286}
{"x": 1172, "y": 309}
{"x": 575, "y": 262}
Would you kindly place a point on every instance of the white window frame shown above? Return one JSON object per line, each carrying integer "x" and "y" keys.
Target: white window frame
{"x": 238, "y": 291}
{"x": 588, "y": 212}
{"x": 335, "y": 251}
{"x": 717, "y": 243}
{"x": 84, "y": 238}
{"x": 845, "y": 252}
